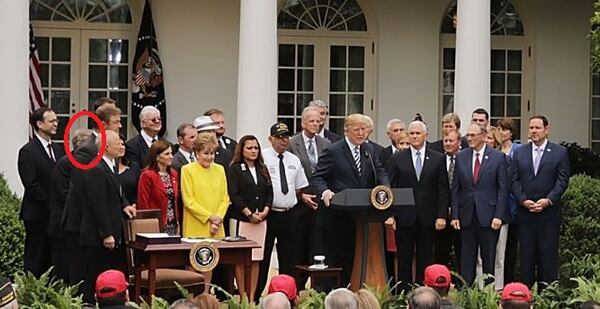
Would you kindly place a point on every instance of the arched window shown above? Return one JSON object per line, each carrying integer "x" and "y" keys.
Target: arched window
{"x": 336, "y": 15}
{"x": 504, "y": 19}
{"x": 95, "y": 11}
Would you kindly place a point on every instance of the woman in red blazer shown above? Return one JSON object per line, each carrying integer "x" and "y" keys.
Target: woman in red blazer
{"x": 158, "y": 187}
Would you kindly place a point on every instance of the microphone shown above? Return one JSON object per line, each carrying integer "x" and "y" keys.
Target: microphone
{"x": 368, "y": 155}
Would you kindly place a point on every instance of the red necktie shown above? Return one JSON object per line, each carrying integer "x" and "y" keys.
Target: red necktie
{"x": 476, "y": 169}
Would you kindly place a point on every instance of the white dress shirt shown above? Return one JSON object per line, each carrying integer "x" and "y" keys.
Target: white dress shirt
{"x": 45, "y": 144}
{"x": 481, "y": 158}
{"x": 294, "y": 174}
{"x": 186, "y": 154}
{"x": 147, "y": 138}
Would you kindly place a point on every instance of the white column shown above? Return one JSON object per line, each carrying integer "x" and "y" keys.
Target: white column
{"x": 257, "y": 68}
{"x": 14, "y": 86}
{"x": 472, "y": 79}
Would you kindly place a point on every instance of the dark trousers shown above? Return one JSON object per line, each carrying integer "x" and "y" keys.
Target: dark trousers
{"x": 473, "y": 237}
{"x": 444, "y": 241}
{"x": 510, "y": 255}
{"x": 339, "y": 245}
{"x": 77, "y": 260}
{"x": 280, "y": 226}
{"x": 539, "y": 243}
{"x": 37, "y": 247}
{"x": 307, "y": 235}
{"x": 99, "y": 259}
{"x": 409, "y": 238}
{"x": 59, "y": 258}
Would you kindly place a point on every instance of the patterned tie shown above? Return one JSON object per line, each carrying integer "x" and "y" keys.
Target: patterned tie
{"x": 537, "y": 159}
{"x": 476, "y": 169}
{"x": 282, "y": 176}
{"x": 153, "y": 140}
{"x": 418, "y": 165}
{"x": 192, "y": 157}
{"x": 312, "y": 157}
{"x": 51, "y": 153}
{"x": 451, "y": 171}
{"x": 357, "y": 158}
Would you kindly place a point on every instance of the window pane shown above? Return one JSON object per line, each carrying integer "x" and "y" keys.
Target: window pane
{"x": 44, "y": 74}
{"x": 61, "y": 75}
{"x": 514, "y": 60}
{"x": 498, "y": 63}
{"x": 596, "y": 84}
{"x": 513, "y": 106}
{"x": 302, "y": 101}
{"x": 118, "y": 51}
{"x": 449, "y": 58}
{"x": 42, "y": 44}
{"x": 518, "y": 126}
{"x": 118, "y": 77}
{"x": 596, "y": 129}
{"x": 448, "y": 81}
{"x": 356, "y": 57}
{"x": 596, "y": 107}
{"x": 355, "y": 103}
{"x": 60, "y": 101}
{"x": 286, "y": 79}
{"x": 97, "y": 76}
{"x": 497, "y": 104}
{"x": 356, "y": 81}
{"x": 121, "y": 98}
{"x": 448, "y": 104}
{"x": 98, "y": 50}
{"x": 285, "y": 104}
{"x": 305, "y": 80}
{"x": 286, "y": 55}
{"x": 596, "y": 147}
{"x": 337, "y": 80}
{"x": 338, "y": 57}
{"x": 93, "y": 96}
{"x": 513, "y": 83}
{"x": 336, "y": 126}
{"x": 60, "y": 131}
{"x": 305, "y": 55}
{"x": 357, "y": 23}
{"x": 61, "y": 49}
{"x": 497, "y": 83}
{"x": 337, "y": 105}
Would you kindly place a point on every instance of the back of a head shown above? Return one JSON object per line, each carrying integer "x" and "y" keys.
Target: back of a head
{"x": 277, "y": 300}
{"x": 183, "y": 304}
{"x": 8, "y": 295}
{"x": 341, "y": 298}
{"x": 366, "y": 300}
{"x": 590, "y": 304}
{"x": 514, "y": 304}
{"x": 206, "y": 301}
{"x": 424, "y": 298}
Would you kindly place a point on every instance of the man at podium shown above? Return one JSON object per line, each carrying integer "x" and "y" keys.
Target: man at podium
{"x": 349, "y": 163}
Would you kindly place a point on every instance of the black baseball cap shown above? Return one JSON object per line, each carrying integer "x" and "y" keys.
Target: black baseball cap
{"x": 280, "y": 129}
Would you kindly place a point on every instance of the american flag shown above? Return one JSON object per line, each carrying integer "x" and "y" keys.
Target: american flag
{"x": 36, "y": 95}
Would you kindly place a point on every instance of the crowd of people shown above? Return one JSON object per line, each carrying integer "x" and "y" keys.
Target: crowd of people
{"x": 478, "y": 197}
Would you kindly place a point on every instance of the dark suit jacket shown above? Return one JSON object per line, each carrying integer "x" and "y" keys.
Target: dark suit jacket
{"x": 439, "y": 145}
{"x": 230, "y": 143}
{"x": 61, "y": 178}
{"x": 223, "y": 157}
{"x": 297, "y": 147}
{"x": 244, "y": 192}
{"x": 431, "y": 191}
{"x": 336, "y": 171}
{"x": 102, "y": 214}
{"x": 488, "y": 198}
{"x": 136, "y": 150}
{"x": 330, "y": 136}
{"x": 550, "y": 182}
{"x": 179, "y": 160}
{"x": 35, "y": 169}
{"x": 386, "y": 155}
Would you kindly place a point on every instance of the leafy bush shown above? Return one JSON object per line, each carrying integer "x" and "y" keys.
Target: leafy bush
{"x": 581, "y": 226}
{"x": 473, "y": 296}
{"x": 314, "y": 300}
{"x": 45, "y": 292}
{"x": 582, "y": 160}
{"x": 12, "y": 231}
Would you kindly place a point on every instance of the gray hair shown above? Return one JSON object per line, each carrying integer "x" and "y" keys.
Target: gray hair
{"x": 277, "y": 300}
{"x": 341, "y": 298}
{"x": 79, "y": 137}
{"x": 424, "y": 298}
{"x": 183, "y": 304}
{"x": 369, "y": 120}
{"x": 147, "y": 110}
{"x": 319, "y": 104}
{"x": 308, "y": 109}
{"x": 418, "y": 124}
{"x": 392, "y": 122}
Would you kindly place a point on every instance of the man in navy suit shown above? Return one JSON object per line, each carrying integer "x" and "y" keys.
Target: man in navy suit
{"x": 324, "y": 112}
{"x": 539, "y": 174}
{"x": 479, "y": 195}
{"x": 346, "y": 164}
{"x": 36, "y": 162}
{"x": 137, "y": 147}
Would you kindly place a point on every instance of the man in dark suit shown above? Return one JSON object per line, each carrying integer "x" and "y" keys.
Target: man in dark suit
{"x": 308, "y": 147}
{"x": 346, "y": 164}
{"x": 479, "y": 196}
{"x": 36, "y": 162}
{"x": 222, "y": 155}
{"x": 101, "y": 233}
{"x": 218, "y": 118}
{"x": 323, "y": 113}
{"x": 370, "y": 126}
{"x": 393, "y": 128}
{"x": 61, "y": 179}
{"x": 137, "y": 147}
{"x": 186, "y": 134}
{"x": 539, "y": 175}
{"x": 423, "y": 170}
{"x": 450, "y": 122}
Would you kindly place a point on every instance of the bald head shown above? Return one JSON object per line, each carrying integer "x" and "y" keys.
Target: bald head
{"x": 424, "y": 298}
{"x": 114, "y": 145}
{"x": 275, "y": 300}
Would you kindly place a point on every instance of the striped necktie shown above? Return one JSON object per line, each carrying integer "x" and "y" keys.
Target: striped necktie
{"x": 357, "y": 158}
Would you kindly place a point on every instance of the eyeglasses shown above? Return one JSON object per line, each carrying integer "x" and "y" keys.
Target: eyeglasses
{"x": 156, "y": 119}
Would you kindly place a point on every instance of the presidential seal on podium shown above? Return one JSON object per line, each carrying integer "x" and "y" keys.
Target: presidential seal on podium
{"x": 382, "y": 197}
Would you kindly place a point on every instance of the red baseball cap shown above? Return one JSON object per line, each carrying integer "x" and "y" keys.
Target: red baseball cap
{"x": 516, "y": 291}
{"x": 110, "y": 283}
{"x": 437, "y": 276}
{"x": 284, "y": 284}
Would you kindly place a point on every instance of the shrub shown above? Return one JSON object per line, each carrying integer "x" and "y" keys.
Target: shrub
{"x": 12, "y": 231}
{"x": 583, "y": 160}
{"x": 45, "y": 292}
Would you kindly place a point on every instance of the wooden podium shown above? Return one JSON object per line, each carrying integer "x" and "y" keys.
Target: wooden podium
{"x": 369, "y": 254}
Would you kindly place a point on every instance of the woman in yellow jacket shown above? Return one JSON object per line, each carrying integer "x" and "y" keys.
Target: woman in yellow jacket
{"x": 204, "y": 191}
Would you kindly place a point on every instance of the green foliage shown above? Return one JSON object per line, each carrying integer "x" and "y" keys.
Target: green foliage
{"x": 314, "y": 300}
{"x": 474, "y": 297}
{"x": 595, "y": 37}
{"x": 234, "y": 302}
{"x": 45, "y": 292}
{"x": 386, "y": 297}
{"x": 552, "y": 297}
{"x": 582, "y": 160}
{"x": 155, "y": 303}
{"x": 12, "y": 231}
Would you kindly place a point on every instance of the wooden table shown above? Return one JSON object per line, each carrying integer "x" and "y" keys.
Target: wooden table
{"x": 316, "y": 274}
{"x": 151, "y": 257}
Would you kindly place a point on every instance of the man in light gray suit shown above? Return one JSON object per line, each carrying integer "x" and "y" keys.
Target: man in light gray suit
{"x": 186, "y": 134}
{"x": 308, "y": 146}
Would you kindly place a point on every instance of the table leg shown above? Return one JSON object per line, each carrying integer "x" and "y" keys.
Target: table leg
{"x": 138, "y": 284}
{"x": 248, "y": 277}
{"x": 151, "y": 277}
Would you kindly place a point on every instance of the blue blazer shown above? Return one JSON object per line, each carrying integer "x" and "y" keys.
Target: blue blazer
{"x": 550, "y": 182}
{"x": 488, "y": 196}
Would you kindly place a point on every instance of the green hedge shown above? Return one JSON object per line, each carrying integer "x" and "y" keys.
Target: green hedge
{"x": 12, "y": 241}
